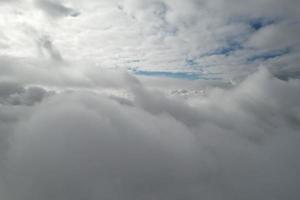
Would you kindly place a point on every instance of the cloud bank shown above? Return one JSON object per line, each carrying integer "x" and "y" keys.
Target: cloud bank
{"x": 238, "y": 143}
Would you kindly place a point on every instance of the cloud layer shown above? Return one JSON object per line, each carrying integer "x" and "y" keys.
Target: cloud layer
{"x": 239, "y": 143}
{"x": 152, "y": 99}
{"x": 232, "y": 38}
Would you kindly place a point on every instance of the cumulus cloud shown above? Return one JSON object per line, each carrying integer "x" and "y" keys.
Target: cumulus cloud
{"x": 234, "y": 143}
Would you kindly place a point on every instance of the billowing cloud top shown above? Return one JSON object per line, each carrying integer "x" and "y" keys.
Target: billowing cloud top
{"x": 149, "y": 99}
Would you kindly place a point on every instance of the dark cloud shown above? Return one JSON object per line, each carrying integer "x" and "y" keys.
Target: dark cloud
{"x": 238, "y": 143}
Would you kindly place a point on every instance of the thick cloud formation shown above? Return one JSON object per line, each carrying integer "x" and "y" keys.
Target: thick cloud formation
{"x": 240, "y": 143}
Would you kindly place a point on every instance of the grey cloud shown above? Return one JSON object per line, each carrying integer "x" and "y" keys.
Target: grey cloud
{"x": 30, "y": 96}
{"x": 56, "y": 9}
{"x": 243, "y": 143}
{"x": 8, "y": 88}
{"x": 8, "y": 1}
{"x": 16, "y": 103}
{"x": 256, "y": 8}
{"x": 12, "y": 93}
{"x": 45, "y": 43}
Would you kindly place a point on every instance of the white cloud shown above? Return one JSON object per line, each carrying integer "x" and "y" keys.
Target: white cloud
{"x": 152, "y": 35}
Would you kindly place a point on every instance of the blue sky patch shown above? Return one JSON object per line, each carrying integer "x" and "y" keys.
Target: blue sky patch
{"x": 269, "y": 55}
{"x": 176, "y": 75}
{"x": 226, "y": 50}
{"x": 259, "y": 23}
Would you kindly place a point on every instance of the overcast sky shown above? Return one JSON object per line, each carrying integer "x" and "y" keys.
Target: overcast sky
{"x": 149, "y": 99}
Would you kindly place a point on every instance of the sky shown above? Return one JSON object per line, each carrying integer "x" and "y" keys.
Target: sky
{"x": 149, "y": 99}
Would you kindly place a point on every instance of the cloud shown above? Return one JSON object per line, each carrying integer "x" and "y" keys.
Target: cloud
{"x": 58, "y": 74}
{"x": 56, "y": 9}
{"x": 238, "y": 143}
{"x": 8, "y": 1}
{"x": 12, "y": 93}
{"x": 111, "y": 105}
{"x": 170, "y": 36}
{"x": 45, "y": 43}
{"x": 276, "y": 36}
